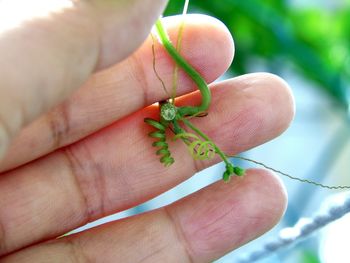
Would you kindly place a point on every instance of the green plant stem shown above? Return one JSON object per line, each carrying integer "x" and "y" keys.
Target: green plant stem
{"x": 205, "y": 137}
{"x": 193, "y": 74}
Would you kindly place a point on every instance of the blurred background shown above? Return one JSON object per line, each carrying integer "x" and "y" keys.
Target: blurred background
{"x": 307, "y": 43}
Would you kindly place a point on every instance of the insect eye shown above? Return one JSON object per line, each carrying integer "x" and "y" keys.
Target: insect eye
{"x": 168, "y": 111}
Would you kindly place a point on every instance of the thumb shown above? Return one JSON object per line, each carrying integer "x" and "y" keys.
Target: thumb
{"x": 48, "y": 48}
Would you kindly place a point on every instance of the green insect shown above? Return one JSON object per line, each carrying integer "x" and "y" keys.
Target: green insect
{"x": 201, "y": 146}
{"x": 177, "y": 119}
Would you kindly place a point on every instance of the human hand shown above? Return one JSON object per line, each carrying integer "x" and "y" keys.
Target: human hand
{"x": 90, "y": 156}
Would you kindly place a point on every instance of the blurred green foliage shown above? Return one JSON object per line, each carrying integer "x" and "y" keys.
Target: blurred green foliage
{"x": 309, "y": 257}
{"x": 315, "y": 40}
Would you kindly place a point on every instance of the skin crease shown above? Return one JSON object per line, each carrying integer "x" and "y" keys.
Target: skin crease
{"x": 90, "y": 171}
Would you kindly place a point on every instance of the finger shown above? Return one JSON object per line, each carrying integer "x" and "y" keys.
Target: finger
{"x": 199, "y": 228}
{"x": 116, "y": 168}
{"x": 49, "y": 48}
{"x": 125, "y": 88}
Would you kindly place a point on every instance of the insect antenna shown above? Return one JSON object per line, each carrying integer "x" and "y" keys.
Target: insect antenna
{"x": 154, "y": 65}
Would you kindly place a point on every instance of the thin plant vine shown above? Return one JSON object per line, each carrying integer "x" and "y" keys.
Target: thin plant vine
{"x": 177, "y": 119}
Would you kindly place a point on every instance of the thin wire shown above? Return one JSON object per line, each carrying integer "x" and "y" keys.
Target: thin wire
{"x": 337, "y": 187}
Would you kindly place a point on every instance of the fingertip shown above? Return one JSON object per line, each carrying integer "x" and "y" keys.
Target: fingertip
{"x": 273, "y": 190}
{"x": 269, "y": 102}
{"x": 283, "y": 97}
{"x": 204, "y": 37}
{"x": 228, "y": 215}
{"x": 259, "y": 199}
{"x": 123, "y": 27}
